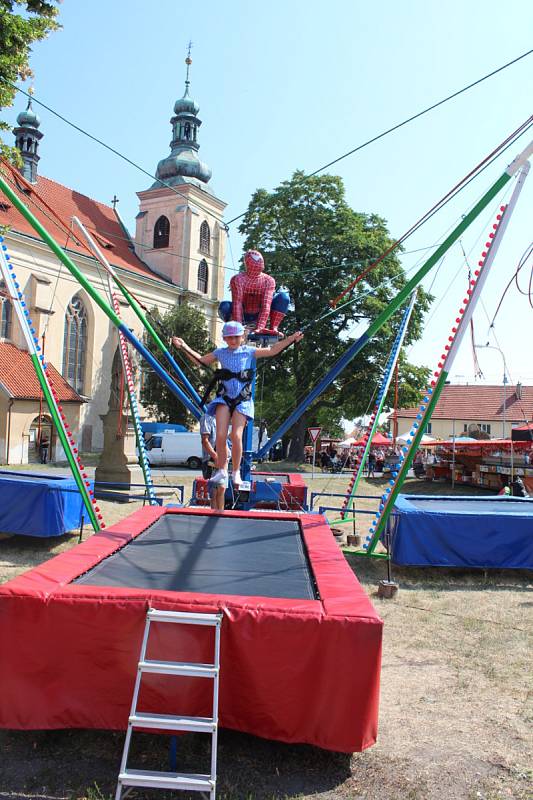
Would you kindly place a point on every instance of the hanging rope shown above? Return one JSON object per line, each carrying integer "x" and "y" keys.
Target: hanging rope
{"x": 478, "y": 169}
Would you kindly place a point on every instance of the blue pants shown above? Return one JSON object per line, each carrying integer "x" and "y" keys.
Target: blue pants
{"x": 280, "y": 302}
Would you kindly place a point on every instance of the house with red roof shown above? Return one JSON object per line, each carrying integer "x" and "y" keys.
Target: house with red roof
{"x": 177, "y": 255}
{"x": 464, "y": 410}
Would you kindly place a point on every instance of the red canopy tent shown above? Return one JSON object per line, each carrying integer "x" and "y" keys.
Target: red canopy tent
{"x": 378, "y": 440}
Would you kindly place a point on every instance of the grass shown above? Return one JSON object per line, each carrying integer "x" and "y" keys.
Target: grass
{"x": 456, "y": 700}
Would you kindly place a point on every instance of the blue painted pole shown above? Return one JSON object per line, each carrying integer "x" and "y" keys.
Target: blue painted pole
{"x": 336, "y": 369}
{"x": 165, "y": 377}
{"x": 247, "y": 441}
{"x": 141, "y": 316}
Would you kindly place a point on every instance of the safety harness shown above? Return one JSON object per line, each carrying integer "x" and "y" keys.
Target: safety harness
{"x": 245, "y": 376}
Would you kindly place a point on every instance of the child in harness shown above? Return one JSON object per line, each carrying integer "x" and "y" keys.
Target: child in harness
{"x": 233, "y": 402}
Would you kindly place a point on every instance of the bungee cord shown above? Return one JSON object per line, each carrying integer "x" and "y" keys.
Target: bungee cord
{"x": 459, "y": 187}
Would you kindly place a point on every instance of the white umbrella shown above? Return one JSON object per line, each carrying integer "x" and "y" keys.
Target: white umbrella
{"x": 424, "y": 440}
{"x": 348, "y": 442}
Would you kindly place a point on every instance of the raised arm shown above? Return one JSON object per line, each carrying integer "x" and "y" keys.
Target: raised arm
{"x": 180, "y": 344}
{"x": 268, "y": 352}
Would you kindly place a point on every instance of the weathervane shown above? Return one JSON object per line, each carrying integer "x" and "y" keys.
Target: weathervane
{"x": 188, "y": 61}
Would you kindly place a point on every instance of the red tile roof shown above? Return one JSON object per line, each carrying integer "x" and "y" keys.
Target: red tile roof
{"x": 483, "y": 403}
{"x": 99, "y": 219}
{"x": 17, "y": 376}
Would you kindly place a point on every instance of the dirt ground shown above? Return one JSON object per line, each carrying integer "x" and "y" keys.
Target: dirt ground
{"x": 456, "y": 716}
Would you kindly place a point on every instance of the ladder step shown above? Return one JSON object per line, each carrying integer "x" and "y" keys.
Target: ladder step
{"x": 179, "y": 668}
{"x": 184, "y": 617}
{"x": 166, "y": 780}
{"x": 169, "y": 722}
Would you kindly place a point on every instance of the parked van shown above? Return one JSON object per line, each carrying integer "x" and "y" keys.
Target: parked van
{"x": 175, "y": 448}
{"x": 182, "y": 448}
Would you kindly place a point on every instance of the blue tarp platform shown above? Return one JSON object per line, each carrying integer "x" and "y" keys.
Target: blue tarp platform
{"x": 36, "y": 504}
{"x": 484, "y": 532}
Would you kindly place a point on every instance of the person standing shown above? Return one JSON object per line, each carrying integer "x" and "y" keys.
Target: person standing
{"x": 43, "y": 449}
{"x": 216, "y": 489}
{"x": 208, "y": 433}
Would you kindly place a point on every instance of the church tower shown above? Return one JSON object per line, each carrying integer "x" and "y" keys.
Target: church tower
{"x": 27, "y": 136}
{"x": 180, "y": 231}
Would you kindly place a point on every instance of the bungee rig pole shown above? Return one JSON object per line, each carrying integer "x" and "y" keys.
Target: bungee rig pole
{"x": 376, "y": 411}
{"x": 47, "y": 386}
{"x": 104, "y": 306}
{"x": 440, "y": 375}
{"x": 398, "y": 301}
{"x": 134, "y": 303}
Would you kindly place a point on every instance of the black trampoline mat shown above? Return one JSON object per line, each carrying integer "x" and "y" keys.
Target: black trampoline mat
{"x": 212, "y": 554}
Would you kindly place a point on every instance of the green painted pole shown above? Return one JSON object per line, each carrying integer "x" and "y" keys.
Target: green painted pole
{"x": 25, "y": 324}
{"x": 56, "y": 249}
{"x": 406, "y": 464}
{"x": 108, "y": 311}
{"x": 134, "y": 303}
{"x": 64, "y": 441}
{"x": 437, "y": 255}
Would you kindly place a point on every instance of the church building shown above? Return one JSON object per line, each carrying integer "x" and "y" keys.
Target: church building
{"x": 177, "y": 255}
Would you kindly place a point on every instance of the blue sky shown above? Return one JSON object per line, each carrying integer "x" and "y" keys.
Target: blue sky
{"x": 293, "y": 84}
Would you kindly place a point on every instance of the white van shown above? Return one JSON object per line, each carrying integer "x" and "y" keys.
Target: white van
{"x": 175, "y": 448}
{"x": 182, "y": 448}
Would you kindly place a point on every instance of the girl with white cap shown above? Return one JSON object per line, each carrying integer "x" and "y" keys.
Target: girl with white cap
{"x": 233, "y": 403}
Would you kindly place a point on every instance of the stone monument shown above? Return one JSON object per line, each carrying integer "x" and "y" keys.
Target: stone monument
{"x": 118, "y": 462}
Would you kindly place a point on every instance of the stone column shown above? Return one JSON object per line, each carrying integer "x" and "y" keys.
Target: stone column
{"x": 118, "y": 462}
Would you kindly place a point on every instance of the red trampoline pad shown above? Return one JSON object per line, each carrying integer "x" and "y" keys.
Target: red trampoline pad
{"x": 295, "y": 669}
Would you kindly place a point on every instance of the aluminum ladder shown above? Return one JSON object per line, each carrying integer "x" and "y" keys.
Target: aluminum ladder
{"x": 132, "y": 778}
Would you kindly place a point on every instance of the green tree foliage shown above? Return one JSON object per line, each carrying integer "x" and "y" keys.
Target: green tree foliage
{"x": 187, "y": 322}
{"x": 314, "y": 245}
{"x": 17, "y": 34}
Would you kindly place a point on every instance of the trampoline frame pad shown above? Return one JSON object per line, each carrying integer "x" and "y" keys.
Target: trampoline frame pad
{"x": 292, "y": 670}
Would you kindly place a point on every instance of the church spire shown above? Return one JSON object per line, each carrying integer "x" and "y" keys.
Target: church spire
{"x": 27, "y": 136}
{"x": 183, "y": 164}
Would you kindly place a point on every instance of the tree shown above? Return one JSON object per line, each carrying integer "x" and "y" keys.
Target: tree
{"x": 17, "y": 34}
{"x": 314, "y": 244}
{"x": 187, "y": 322}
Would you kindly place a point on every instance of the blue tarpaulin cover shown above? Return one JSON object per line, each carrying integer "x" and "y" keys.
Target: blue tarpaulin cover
{"x": 486, "y": 532}
{"x": 34, "y": 504}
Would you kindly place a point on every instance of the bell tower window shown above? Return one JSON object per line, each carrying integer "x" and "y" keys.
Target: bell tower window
{"x": 203, "y": 276}
{"x": 205, "y": 238}
{"x": 161, "y": 232}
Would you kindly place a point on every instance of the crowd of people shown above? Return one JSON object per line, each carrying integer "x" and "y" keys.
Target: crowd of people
{"x": 334, "y": 459}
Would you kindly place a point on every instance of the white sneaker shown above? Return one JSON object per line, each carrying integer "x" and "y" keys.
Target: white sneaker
{"x": 237, "y": 480}
{"x": 219, "y": 476}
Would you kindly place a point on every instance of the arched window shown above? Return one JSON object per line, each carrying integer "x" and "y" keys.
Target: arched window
{"x": 75, "y": 343}
{"x": 6, "y": 310}
{"x": 205, "y": 238}
{"x": 161, "y": 232}
{"x": 203, "y": 276}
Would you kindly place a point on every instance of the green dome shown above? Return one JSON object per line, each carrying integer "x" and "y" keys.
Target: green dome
{"x": 186, "y": 105}
{"x": 183, "y": 162}
{"x": 28, "y": 118}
